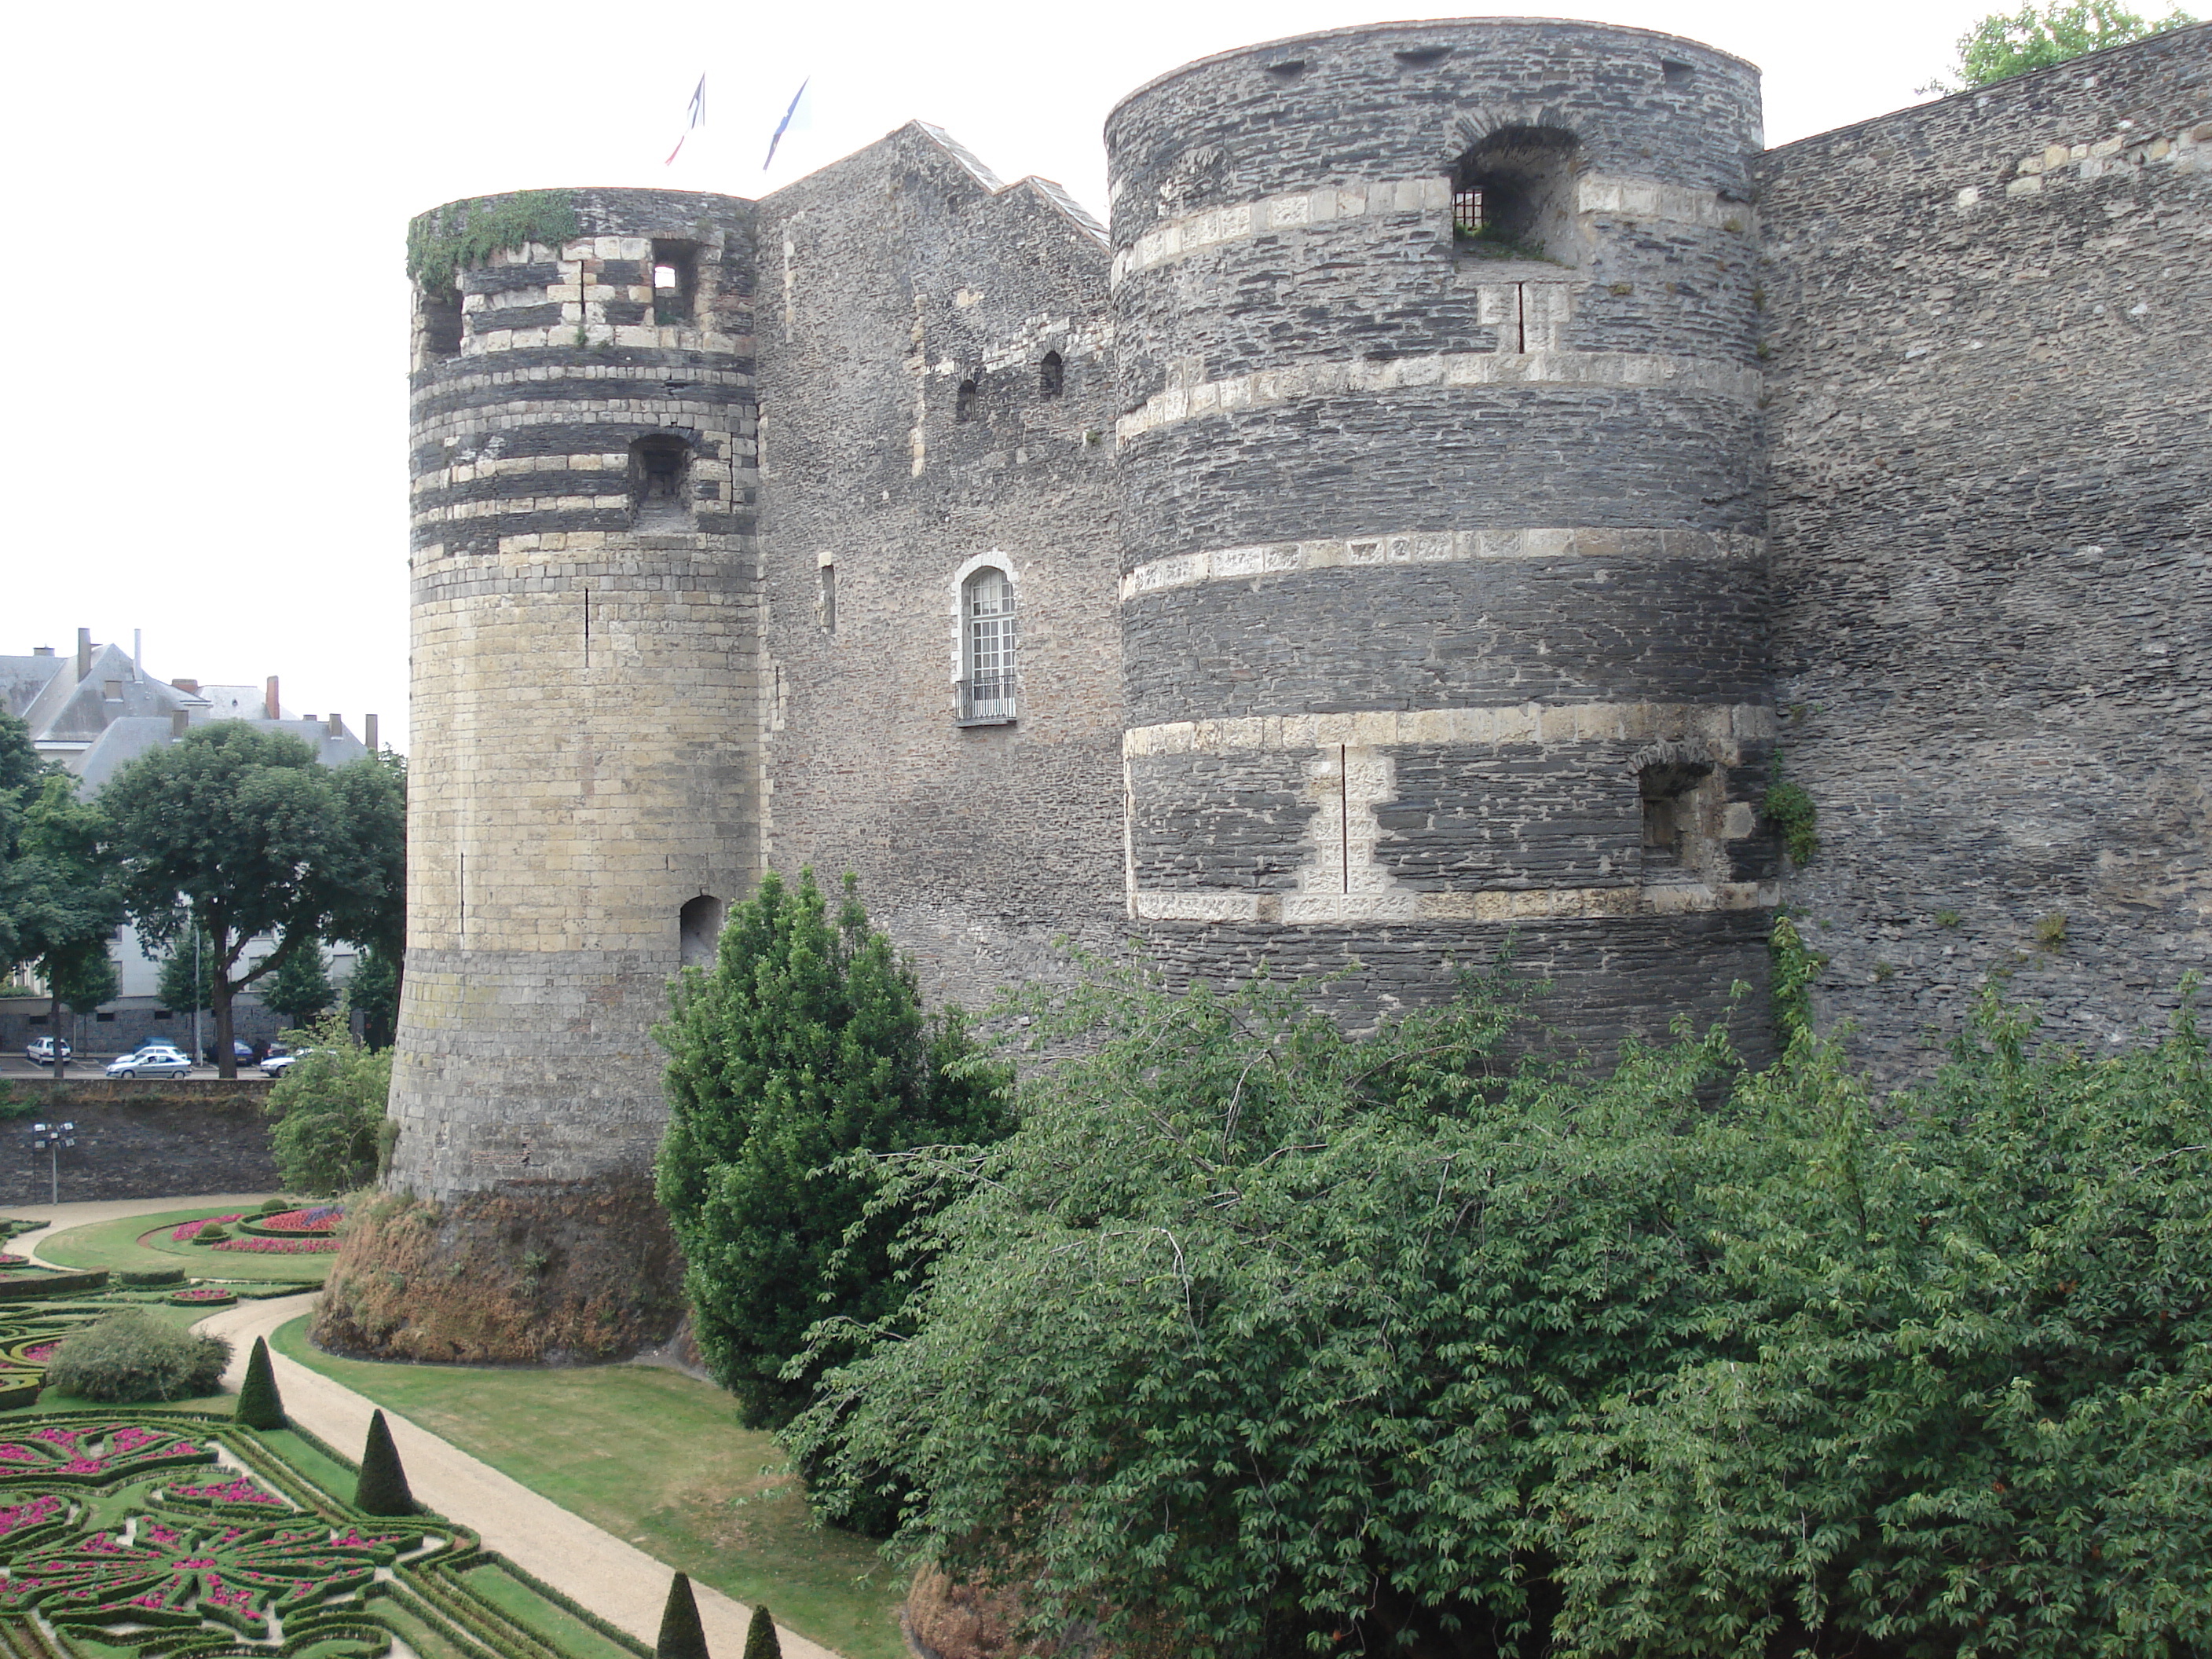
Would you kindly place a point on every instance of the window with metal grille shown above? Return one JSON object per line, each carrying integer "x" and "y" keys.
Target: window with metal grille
{"x": 986, "y": 608}
{"x": 1466, "y": 212}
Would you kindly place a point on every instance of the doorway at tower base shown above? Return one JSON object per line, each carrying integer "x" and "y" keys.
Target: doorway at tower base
{"x": 530, "y": 1272}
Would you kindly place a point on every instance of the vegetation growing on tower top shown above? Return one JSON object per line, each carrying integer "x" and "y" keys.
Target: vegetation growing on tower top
{"x": 450, "y": 239}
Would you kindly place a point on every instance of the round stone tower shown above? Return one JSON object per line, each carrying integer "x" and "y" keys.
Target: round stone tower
{"x": 1442, "y": 620}
{"x": 584, "y": 778}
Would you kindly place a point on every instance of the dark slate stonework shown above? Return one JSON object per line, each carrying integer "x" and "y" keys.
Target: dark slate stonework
{"x": 1604, "y": 384}
{"x": 1992, "y": 501}
{"x": 1446, "y": 460}
{"x": 162, "y": 1140}
{"x": 1446, "y": 635}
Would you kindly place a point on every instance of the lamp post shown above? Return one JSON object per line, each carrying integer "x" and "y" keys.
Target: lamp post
{"x": 50, "y": 1138}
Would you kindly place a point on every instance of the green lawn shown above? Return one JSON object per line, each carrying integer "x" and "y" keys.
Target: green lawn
{"x": 658, "y": 1458}
{"x": 114, "y": 1245}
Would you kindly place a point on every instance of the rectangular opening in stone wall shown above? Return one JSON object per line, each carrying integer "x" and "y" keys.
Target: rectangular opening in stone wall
{"x": 1467, "y": 211}
{"x": 675, "y": 282}
{"x": 1670, "y": 820}
{"x": 439, "y": 311}
{"x": 1513, "y": 196}
{"x": 827, "y": 578}
{"x": 659, "y": 479}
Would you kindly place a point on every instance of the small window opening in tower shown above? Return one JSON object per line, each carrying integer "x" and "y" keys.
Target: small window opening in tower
{"x": 659, "y": 480}
{"x": 1670, "y": 814}
{"x": 1676, "y": 75}
{"x": 1052, "y": 375}
{"x": 675, "y": 283}
{"x": 828, "y": 578}
{"x": 963, "y": 405}
{"x": 698, "y": 929}
{"x": 440, "y": 310}
{"x": 1513, "y": 196}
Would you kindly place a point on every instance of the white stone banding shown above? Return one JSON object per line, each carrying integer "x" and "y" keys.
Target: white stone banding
{"x": 1434, "y": 547}
{"x": 1583, "y": 722}
{"x": 1401, "y": 908}
{"x": 1326, "y": 204}
{"x": 1616, "y": 370}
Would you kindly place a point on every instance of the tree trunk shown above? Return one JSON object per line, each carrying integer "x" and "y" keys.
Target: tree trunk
{"x": 54, "y": 1024}
{"x": 219, "y": 993}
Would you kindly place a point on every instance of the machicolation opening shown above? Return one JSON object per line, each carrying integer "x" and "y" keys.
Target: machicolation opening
{"x": 1513, "y": 196}
{"x": 659, "y": 478}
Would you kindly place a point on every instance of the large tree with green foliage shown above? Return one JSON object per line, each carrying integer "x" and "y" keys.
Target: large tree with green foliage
{"x": 301, "y": 989}
{"x": 373, "y": 992}
{"x": 2006, "y": 44}
{"x": 1257, "y": 1340}
{"x": 329, "y": 1104}
{"x": 806, "y": 1043}
{"x": 242, "y": 833}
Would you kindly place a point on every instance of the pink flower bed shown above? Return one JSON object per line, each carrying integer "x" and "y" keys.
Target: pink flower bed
{"x": 204, "y": 1293}
{"x": 318, "y": 1218}
{"x": 278, "y": 1246}
{"x": 190, "y": 1230}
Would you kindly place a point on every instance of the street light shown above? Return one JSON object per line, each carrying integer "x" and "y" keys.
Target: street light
{"x": 52, "y": 1137}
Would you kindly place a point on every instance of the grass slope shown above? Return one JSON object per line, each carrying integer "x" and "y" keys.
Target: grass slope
{"x": 658, "y": 1458}
{"x": 114, "y": 1245}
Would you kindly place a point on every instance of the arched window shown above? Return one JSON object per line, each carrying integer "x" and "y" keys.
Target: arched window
{"x": 986, "y": 646}
{"x": 698, "y": 929}
{"x": 964, "y": 401}
{"x": 1513, "y": 195}
{"x": 1052, "y": 375}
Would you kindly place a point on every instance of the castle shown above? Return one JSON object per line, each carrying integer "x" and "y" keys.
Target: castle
{"x": 1470, "y": 472}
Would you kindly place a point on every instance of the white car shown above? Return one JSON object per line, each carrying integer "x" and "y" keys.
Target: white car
{"x": 277, "y": 1063}
{"x": 155, "y": 1060}
{"x": 41, "y": 1051}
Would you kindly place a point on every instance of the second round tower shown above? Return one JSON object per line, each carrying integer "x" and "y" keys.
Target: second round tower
{"x": 1444, "y": 621}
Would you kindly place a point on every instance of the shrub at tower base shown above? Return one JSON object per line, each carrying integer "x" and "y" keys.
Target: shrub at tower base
{"x": 1256, "y": 1341}
{"x": 536, "y": 1272}
{"x": 804, "y": 1044}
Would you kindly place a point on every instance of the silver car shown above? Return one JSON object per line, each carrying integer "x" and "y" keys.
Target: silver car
{"x": 155, "y": 1060}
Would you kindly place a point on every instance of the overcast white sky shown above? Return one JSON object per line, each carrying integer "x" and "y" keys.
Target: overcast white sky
{"x": 206, "y": 390}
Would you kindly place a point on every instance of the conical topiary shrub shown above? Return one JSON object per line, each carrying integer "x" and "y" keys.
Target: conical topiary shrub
{"x": 382, "y": 1489}
{"x": 760, "y": 1637}
{"x": 682, "y": 1635}
{"x": 259, "y": 1405}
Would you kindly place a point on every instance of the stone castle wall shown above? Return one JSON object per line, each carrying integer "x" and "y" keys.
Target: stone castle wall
{"x": 1443, "y": 572}
{"x": 1991, "y": 496}
{"x": 913, "y": 433}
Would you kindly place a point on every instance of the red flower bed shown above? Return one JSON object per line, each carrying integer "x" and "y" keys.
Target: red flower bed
{"x": 316, "y": 1220}
{"x": 204, "y": 1295}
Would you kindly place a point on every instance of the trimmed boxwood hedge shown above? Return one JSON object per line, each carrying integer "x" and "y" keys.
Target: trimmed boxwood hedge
{"x": 150, "y": 1276}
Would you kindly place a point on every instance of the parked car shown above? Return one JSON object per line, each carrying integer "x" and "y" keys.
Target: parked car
{"x": 40, "y": 1050}
{"x": 277, "y": 1062}
{"x": 155, "y": 1060}
{"x": 239, "y": 1052}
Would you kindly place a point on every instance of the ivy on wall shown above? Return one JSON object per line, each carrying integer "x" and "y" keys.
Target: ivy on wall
{"x": 449, "y": 239}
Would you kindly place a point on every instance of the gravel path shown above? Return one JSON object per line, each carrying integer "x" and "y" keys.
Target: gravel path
{"x": 617, "y": 1581}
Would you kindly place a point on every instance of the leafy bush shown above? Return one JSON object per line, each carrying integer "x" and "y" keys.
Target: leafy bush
{"x": 131, "y": 1356}
{"x": 1255, "y": 1339}
{"x": 2006, "y": 44}
{"x": 212, "y": 1232}
{"x": 150, "y": 1276}
{"x": 331, "y": 1103}
{"x": 806, "y": 1042}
